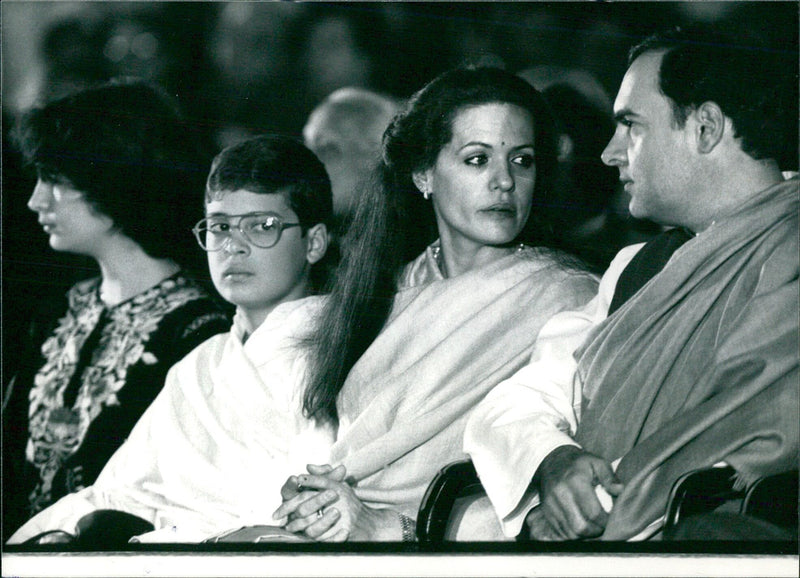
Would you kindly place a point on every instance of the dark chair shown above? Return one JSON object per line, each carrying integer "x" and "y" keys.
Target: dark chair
{"x": 98, "y": 530}
{"x": 455, "y": 481}
{"x": 699, "y": 492}
{"x": 773, "y": 499}
{"x": 704, "y": 505}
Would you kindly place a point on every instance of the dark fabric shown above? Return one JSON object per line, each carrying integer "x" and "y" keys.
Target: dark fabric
{"x": 166, "y": 325}
{"x": 729, "y": 526}
{"x": 649, "y": 261}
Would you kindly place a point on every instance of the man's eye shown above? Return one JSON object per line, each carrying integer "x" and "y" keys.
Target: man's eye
{"x": 627, "y": 123}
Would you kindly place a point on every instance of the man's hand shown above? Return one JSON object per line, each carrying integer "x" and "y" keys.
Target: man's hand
{"x": 570, "y": 509}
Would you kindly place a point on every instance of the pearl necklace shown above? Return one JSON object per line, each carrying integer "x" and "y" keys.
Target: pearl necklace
{"x": 437, "y": 254}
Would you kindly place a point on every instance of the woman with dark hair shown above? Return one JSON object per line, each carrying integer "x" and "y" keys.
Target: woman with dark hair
{"x": 116, "y": 174}
{"x": 211, "y": 452}
{"x": 448, "y": 275}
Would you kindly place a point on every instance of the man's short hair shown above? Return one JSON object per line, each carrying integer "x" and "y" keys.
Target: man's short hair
{"x": 755, "y": 85}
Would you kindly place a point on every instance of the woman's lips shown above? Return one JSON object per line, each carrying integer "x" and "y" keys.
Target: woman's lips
{"x": 501, "y": 210}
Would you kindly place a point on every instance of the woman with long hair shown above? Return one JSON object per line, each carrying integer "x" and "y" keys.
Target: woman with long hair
{"x": 448, "y": 276}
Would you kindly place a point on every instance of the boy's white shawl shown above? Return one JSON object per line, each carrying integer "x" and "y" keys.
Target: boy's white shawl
{"x": 214, "y": 448}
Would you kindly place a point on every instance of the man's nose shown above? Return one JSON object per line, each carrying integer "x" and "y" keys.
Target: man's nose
{"x": 614, "y": 153}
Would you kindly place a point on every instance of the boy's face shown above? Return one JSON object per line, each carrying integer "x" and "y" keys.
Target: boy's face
{"x": 254, "y": 279}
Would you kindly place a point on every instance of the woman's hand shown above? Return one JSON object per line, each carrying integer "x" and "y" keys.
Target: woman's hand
{"x": 304, "y": 505}
{"x": 333, "y": 512}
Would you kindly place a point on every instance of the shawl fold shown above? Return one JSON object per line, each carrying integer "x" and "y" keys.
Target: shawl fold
{"x": 447, "y": 342}
{"x": 701, "y": 365}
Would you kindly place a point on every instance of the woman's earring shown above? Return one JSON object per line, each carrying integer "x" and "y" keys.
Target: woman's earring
{"x": 426, "y": 194}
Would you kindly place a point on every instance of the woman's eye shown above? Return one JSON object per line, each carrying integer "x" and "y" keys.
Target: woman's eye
{"x": 476, "y": 160}
{"x": 525, "y": 161}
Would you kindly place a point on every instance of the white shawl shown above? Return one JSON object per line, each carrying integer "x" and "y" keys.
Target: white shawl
{"x": 447, "y": 342}
{"x": 214, "y": 448}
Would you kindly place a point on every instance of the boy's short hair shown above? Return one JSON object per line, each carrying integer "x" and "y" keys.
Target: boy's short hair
{"x": 271, "y": 165}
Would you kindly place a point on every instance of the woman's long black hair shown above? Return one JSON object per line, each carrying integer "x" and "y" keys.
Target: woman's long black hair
{"x": 393, "y": 224}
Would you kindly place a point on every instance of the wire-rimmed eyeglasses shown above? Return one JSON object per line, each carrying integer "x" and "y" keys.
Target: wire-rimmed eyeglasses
{"x": 261, "y": 230}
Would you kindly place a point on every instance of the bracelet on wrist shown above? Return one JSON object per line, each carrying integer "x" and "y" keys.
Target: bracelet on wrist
{"x": 408, "y": 526}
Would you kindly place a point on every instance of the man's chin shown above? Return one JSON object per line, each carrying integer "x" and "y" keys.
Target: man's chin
{"x": 637, "y": 211}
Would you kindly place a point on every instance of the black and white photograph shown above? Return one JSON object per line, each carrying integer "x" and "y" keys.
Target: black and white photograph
{"x": 388, "y": 288}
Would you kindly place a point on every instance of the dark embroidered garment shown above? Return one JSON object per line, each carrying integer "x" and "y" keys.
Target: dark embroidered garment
{"x": 91, "y": 376}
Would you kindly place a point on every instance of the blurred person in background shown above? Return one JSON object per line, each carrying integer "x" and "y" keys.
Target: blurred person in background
{"x": 117, "y": 170}
{"x": 345, "y": 132}
{"x": 342, "y": 45}
{"x": 246, "y": 88}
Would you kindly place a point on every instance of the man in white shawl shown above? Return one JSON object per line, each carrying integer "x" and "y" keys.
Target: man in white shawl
{"x": 211, "y": 452}
{"x": 698, "y": 364}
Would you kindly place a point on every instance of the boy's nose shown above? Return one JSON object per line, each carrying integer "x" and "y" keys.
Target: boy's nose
{"x": 234, "y": 244}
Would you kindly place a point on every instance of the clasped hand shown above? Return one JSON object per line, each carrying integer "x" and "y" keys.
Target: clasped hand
{"x": 323, "y": 506}
{"x": 570, "y": 508}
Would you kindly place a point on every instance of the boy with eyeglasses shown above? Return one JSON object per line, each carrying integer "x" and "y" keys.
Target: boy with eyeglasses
{"x": 211, "y": 452}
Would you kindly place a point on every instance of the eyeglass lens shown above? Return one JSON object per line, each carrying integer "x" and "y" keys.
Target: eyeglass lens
{"x": 261, "y": 230}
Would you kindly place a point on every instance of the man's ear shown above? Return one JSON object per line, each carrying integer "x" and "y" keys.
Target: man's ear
{"x": 317, "y": 240}
{"x": 710, "y": 126}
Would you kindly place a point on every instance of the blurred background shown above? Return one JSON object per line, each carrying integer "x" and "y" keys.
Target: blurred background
{"x": 240, "y": 68}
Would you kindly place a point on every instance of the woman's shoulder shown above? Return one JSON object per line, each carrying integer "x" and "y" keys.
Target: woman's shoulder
{"x": 423, "y": 269}
{"x": 186, "y": 308}
{"x": 556, "y": 262}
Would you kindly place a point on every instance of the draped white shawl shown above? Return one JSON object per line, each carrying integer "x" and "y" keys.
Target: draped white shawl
{"x": 447, "y": 342}
{"x": 214, "y": 448}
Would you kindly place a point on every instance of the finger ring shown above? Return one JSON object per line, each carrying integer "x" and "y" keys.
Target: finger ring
{"x": 319, "y": 514}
